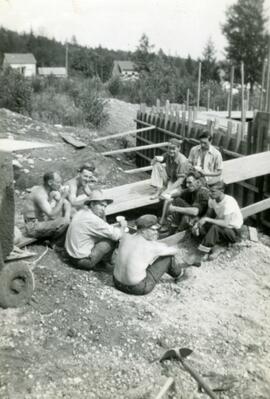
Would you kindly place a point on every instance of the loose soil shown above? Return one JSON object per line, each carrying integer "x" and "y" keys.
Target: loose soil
{"x": 81, "y": 338}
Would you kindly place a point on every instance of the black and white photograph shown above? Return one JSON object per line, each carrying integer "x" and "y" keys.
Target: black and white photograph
{"x": 134, "y": 199}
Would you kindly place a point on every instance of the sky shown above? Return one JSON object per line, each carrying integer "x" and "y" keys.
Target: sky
{"x": 178, "y": 27}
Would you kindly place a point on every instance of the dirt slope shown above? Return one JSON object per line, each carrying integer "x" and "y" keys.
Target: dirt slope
{"x": 80, "y": 338}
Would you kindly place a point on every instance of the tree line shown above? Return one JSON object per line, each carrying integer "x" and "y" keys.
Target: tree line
{"x": 160, "y": 75}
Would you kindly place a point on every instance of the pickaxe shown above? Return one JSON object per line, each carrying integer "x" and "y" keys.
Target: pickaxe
{"x": 181, "y": 354}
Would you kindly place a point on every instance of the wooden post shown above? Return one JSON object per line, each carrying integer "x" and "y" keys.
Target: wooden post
{"x": 189, "y": 120}
{"x": 199, "y": 86}
{"x": 167, "y": 108}
{"x": 187, "y": 104}
{"x": 158, "y": 105}
{"x": 243, "y": 120}
{"x": 267, "y": 95}
{"x": 208, "y": 99}
{"x": 231, "y": 92}
{"x": 248, "y": 98}
{"x": 261, "y": 101}
{"x": 66, "y": 59}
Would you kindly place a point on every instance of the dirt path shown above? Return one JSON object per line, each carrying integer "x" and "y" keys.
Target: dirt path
{"x": 80, "y": 338}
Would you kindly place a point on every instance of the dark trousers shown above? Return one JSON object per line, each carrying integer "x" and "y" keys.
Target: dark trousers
{"x": 102, "y": 251}
{"x": 154, "y": 272}
{"x": 214, "y": 234}
{"x": 180, "y": 220}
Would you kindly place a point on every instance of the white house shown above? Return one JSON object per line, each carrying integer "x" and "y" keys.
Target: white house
{"x": 126, "y": 70}
{"x": 25, "y": 63}
{"x": 58, "y": 72}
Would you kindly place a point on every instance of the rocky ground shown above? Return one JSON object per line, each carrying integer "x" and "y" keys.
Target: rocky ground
{"x": 80, "y": 338}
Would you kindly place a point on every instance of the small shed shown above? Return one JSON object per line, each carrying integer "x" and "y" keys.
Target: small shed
{"x": 126, "y": 70}
{"x": 25, "y": 63}
{"x": 58, "y": 72}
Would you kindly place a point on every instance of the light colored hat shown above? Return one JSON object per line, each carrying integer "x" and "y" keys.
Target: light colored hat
{"x": 97, "y": 195}
{"x": 175, "y": 142}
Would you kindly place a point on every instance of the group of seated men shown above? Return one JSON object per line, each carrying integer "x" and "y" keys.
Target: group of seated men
{"x": 194, "y": 198}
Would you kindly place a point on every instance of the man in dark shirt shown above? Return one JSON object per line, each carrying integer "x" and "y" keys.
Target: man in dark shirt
{"x": 190, "y": 204}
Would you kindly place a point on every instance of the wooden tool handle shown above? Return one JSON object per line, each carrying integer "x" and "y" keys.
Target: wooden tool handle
{"x": 199, "y": 379}
{"x": 169, "y": 382}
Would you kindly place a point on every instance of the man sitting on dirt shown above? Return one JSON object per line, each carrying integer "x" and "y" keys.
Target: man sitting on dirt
{"x": 222, "y": 222}
{"x": 81, "y": 186}
{"x": 46, "y": 210}
{"x": 206, "y": 159}
{"x": 191, "y": 204}
{"x": 169, "y": 170}
{"x": 90, "y": 240}
{"x": 142, "y": 260}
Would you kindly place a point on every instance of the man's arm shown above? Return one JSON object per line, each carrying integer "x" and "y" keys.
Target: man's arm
{"x": 43, "y": 204}
{"x": 76, "y": 201}
{"x": 191, "y": 211}
{"x": 219, "y": 222}
{"x": 100, "y": 228}
{"x": 163, "y": 249}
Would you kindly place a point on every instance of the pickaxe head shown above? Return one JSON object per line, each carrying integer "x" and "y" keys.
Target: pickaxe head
{"x": 175, "y": 353}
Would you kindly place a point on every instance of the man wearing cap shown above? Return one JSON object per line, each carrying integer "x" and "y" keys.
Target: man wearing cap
{"x": 81, "y": 186}
{"x": 206, "y": 159}
{"x": 142, "y": 260}
{"x": 90, "y": 239}
{"x": 169, "y": 170}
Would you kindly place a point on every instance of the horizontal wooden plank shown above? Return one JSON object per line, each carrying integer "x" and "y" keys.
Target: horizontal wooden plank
{"x": 71, "y": 140}
{"x": 141, "y": 147}
{"x": 138, "y": 194}
{"x": 9, "y": 145}
{"x": 246, "y": 167}
{"x": 139, "y": 170}
{"x": 114, "y": 136}
{"x": 255, "y": 208}
{"x": 130, "y": 196}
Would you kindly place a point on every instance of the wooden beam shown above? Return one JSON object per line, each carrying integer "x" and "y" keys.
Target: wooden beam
{"x": 255, "y": 208}
{"x": 168, "y": 384}
{"x": 113, "y": 136}
{"x": 243, "y": 116}
{"x": 246, "y": 167}
{"x": 199, "y": 86}
{"x": 140, "y": 147}
{"x": 231, "y": 92}
{"x": 138, "y": 170}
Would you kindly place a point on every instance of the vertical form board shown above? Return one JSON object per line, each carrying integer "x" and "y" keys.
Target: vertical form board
{"x": 138, "y": 126}
{"x": 7, "y": 205}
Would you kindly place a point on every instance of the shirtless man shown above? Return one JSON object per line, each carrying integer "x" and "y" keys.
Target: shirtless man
{"x": 80, "y": 187}
{"x": 46, "y": 210}
{"x": 142, "y": 260}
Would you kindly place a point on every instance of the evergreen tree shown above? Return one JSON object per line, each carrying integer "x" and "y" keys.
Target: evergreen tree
{"x": 143, "y": 54}
{"x": 245, "y": 30}
{"x": 209, "y": 63}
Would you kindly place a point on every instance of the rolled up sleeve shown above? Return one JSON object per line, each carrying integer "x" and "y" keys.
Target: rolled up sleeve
{"x": 103, "y": 229}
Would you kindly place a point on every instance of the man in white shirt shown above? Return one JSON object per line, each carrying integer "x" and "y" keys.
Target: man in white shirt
{"x": 90, "y": 239}
{"x": 142, "y": 260}
{"x": 206, "y": 159}
{"x": 222, "y": 223}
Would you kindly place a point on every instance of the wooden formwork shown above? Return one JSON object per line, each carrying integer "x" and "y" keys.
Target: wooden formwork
{"x": 233, "y": 143}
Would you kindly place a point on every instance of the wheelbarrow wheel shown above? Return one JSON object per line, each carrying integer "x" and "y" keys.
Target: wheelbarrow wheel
{"x": 16, "y": 285}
